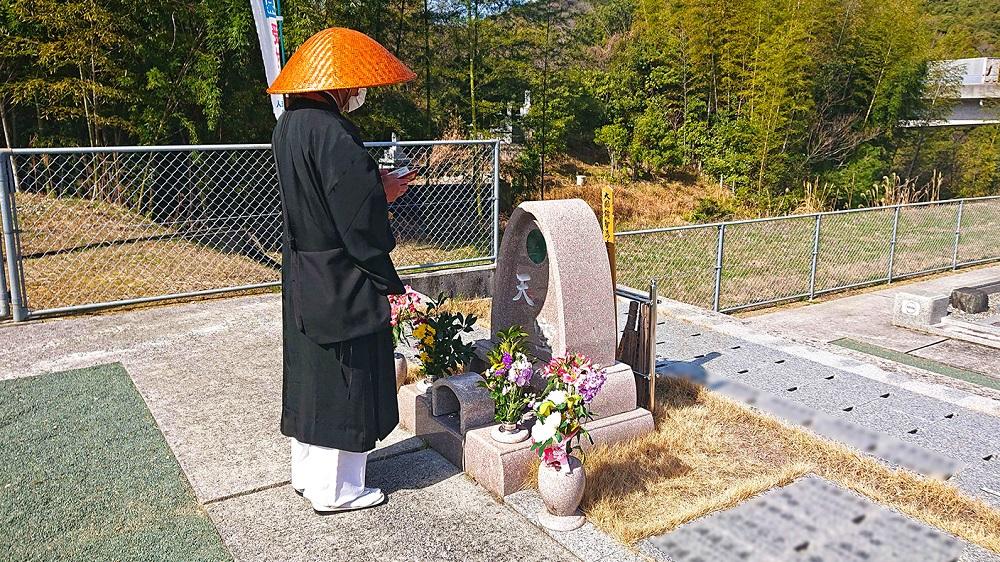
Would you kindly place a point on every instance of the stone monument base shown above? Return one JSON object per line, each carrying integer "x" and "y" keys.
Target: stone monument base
{"x": 501, "y": 468}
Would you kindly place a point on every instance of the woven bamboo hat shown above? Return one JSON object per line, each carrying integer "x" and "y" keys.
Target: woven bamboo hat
{"x": 339, "y": 58}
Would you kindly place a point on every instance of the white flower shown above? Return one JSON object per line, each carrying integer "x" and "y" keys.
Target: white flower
{"x": 543, "y": 430}
{"x": 557, "y": 397}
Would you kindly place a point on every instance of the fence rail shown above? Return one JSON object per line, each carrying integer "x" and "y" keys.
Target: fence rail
{"x": 737, "y": 265}
{"x": 85, "y": 228}
{"x": 95, "y": 227}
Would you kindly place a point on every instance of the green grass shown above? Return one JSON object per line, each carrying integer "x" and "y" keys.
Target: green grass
{"x": 87, "y": 475}
{"x": 919, "y": 362}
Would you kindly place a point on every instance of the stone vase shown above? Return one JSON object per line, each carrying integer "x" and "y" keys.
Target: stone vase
{"x": 509, "y": 433}
{"x": 561, "y": 492}
{"x": 401, "y": 369}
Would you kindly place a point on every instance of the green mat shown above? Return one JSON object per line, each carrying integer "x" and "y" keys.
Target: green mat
{"x": 87, "y": 475}
{"x": 919, "y": 362}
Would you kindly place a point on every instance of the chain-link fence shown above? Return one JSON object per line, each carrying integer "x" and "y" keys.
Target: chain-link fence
{"x": 93, "y": 227}
{"x": 744, "y": 264}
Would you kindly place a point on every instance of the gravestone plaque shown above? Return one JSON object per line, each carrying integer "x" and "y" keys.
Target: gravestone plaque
{"x": 553, "y": 278}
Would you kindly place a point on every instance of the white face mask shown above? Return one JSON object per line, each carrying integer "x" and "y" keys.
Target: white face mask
{"x": 355, "y": 101}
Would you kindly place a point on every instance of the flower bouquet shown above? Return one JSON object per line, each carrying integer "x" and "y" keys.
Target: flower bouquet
{"x": 439, "y": 340}
{"x": 572, "y": 383}
{"x": 507, "y": 380}
{"x": 402, "y": 312}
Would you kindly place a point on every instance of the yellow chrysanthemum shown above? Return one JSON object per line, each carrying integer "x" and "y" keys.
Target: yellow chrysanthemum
{"x": 425, "y": 357}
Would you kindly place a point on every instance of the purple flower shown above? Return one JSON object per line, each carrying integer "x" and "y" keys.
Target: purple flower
{"x": 507, "y": 359}
{"x": 590, "y": 385}
{"x": 519, "y": 376}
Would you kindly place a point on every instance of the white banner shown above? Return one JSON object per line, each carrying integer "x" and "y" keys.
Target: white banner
{"x": 265, "y": 17}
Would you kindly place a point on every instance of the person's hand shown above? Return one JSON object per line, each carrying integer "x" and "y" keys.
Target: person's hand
{"x": 396, "y": 186}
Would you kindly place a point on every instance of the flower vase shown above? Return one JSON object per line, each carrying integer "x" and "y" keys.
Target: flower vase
{"x": 401, "y": 369}
{"x": 509, "y": 433}
{"x": 561, "y": 491}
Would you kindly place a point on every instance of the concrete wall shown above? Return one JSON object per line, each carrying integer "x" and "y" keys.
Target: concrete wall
{"x": 474, "y": 282}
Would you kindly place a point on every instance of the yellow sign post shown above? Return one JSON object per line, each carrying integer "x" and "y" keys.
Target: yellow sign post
{"x": 608, "y": 227}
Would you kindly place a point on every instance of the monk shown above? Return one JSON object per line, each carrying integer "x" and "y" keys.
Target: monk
{"x": 339, "y": 390}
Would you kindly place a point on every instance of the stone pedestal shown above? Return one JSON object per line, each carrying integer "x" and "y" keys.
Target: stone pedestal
{"x": 918, "y": 310}
{"x": 504, "y": 469}
{"x": 499, "y": 467}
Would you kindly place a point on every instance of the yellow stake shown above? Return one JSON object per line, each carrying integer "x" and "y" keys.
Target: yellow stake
{"x": 608, "y": 214}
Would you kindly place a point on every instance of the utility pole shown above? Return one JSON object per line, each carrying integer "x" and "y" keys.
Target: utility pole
{"x": 545, "y": 95}
{"x": 427, "y": 68}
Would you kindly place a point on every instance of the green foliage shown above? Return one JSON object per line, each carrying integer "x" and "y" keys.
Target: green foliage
{"x": 769, "y": 96}
{"x": 439, "y": 339}
{"x": 709, "y": 209}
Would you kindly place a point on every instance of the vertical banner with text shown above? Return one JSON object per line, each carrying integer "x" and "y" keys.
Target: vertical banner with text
{"x": 266, "y": 19}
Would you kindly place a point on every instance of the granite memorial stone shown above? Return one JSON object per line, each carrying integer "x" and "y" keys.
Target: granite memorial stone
{"x": 553, "y": 278}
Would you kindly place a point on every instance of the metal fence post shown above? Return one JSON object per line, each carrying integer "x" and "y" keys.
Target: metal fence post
{"x": 651, "y": 327}
{"x": 4, "y": 293}
{"x": 718, "y": 266}
{"x": 496, "y": 200}
{"x": 815, "y": 257}
{"x": 958, "y": 235}
{"x": 12, "y": 250}
{"x": 892, "y": 242}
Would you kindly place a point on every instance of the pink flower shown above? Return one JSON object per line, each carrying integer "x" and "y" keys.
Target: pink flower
{"x": 556, "y": 456}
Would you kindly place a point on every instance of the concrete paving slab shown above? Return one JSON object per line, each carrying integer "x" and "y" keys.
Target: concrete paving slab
{"x": 433, "y": 512}
{"x": 984, "y": 477}
{"x": 588, "y": 542}
{"x": 885, "y": 420}
{"x": 810, "y": 519}
{"x": 858, "y": 316}
{"x": 963, "y": 355}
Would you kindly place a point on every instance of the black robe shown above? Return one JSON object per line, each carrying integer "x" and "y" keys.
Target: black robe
{"x": 339, "y": 385}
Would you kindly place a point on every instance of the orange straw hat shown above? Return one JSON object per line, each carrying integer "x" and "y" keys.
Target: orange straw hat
{"x": 339, "y": 58}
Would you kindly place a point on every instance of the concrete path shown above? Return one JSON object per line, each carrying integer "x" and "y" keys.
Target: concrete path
{"x": 210, "y": 373}
{"x": 868, "y": 318}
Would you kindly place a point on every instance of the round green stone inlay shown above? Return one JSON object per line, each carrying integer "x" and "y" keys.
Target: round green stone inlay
{"x": 535, "y": 245}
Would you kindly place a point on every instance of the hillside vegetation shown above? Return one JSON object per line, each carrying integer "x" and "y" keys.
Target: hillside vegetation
{"x": 789, "y": 104}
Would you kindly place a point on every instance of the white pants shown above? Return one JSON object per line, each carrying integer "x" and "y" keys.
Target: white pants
{"x": 328, "y": 477}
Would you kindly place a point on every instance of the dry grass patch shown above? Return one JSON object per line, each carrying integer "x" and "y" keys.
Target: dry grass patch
{"x": 638, "y": 203}
{"x": 480, "y": 307}
{"x": 709, "y": 453}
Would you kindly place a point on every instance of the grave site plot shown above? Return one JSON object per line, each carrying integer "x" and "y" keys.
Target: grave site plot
{"x": 737, "y": 418}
